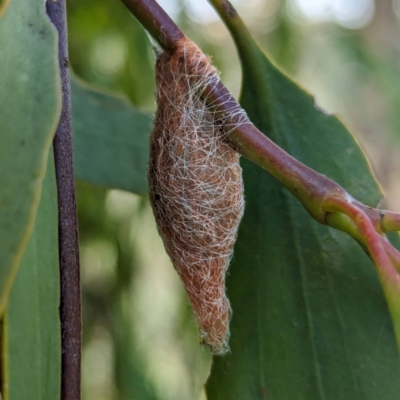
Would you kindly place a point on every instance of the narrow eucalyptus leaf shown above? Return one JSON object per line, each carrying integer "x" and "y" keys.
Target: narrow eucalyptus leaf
{"x": 30, "y": 101}
{"x": 32, "y": 336}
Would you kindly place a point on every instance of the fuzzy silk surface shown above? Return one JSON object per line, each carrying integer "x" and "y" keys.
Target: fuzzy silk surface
{"x": 196, "y": 186}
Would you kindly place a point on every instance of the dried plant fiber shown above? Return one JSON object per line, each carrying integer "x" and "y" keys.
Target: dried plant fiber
{"x": 196, "y": 186}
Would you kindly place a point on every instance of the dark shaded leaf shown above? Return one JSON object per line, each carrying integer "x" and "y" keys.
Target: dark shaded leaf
{"x": 111, "y": 140}
{"x": 309, "y": 317}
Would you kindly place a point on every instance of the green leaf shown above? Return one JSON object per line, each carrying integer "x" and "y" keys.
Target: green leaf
{"x": 111, "y": 140}
{"x": 30, "y": 101}
{"x": 32, "y": 337}
{"x": 309, "y": 317}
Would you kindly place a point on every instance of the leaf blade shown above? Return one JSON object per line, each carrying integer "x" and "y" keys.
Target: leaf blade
{"x": 308, "y": 338}
{"x": 30, "y": 102}
{"x": 32, "y": 333}
{"x": 110, "y": 140}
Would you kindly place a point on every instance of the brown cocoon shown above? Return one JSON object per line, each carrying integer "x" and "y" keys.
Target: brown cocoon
{"x": 196, "y": 186}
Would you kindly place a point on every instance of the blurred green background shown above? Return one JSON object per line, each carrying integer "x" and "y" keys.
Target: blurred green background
{"x": 140, "y": 339}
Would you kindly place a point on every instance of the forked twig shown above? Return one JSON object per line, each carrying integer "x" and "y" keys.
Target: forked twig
{"x": 310, "y": 187}
{"x": 325, "y": 200}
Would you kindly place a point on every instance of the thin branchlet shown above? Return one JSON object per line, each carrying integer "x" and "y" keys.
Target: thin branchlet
{"x": 310, "y": 187}
{"x": 324, "y": 199}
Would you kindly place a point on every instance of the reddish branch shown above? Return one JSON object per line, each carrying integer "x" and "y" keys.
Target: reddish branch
{"x": 324, "y": 199}
{"x": 245, "y": 137}
{"x": 310, "y": 187}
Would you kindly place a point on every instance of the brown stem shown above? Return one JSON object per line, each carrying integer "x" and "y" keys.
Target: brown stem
{"x": 310, "y": 187}
{"x": 156, "y": 21}
{"x": 70, "y": 305}
{"x": 307, "y": 185}
{"x": 324, "y": 199}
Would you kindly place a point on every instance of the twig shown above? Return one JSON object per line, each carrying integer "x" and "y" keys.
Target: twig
{"x": 393, "y": 254}
{"x": 324, "y": 199}
{"x": 367, "y": 230}
{"x": 310, "y": 187}
{"x": 365, "y": 224}
{"x": 390, "y": 221}
{"x": 385, "y": 257}
{"x": 70, "y": 306}
{"x": 245, "y": 137}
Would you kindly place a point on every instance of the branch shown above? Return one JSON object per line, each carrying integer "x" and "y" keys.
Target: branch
{"x": 390, "y": 221}
{"x": 325, "y": 200}
{"x": 245, "y": 137}
{"x": 385, "y": 257}
{"x": 310, "y": 187}
{"x": 70, "y": 305}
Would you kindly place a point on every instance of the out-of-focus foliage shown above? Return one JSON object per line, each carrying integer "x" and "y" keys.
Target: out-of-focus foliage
{"x": 109, "y": 48}
{"x": 139, "y": 336}
{"x": 111, "y": 139}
